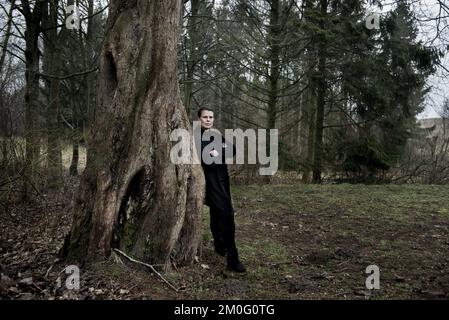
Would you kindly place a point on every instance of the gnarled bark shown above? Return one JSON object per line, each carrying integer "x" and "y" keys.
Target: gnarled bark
{"x": 131, "y": 196}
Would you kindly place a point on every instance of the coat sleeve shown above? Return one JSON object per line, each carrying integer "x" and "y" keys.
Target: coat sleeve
{"x": 227, "y": 144}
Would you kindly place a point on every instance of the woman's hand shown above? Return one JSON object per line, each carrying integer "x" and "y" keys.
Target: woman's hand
{"x": 214, "y": 153}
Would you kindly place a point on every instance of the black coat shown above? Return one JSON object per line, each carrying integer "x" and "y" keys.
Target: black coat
{"x": 218, "y": 193}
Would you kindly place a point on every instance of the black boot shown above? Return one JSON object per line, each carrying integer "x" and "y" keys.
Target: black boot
{"x": 233, "y": 262}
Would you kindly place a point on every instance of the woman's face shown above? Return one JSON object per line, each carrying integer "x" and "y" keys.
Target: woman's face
{"x": 207, "y": 119}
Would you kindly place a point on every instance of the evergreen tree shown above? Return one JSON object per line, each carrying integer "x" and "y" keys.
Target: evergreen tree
{"x": 386, "y": 86}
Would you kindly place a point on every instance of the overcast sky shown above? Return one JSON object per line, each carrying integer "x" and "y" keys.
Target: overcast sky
{"x": 426, "y": 9}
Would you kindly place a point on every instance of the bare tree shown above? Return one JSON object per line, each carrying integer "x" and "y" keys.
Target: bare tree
{"x": 33, "y": 18}
{"x": 3, "y": 112}
{"x": 52, "y": 66}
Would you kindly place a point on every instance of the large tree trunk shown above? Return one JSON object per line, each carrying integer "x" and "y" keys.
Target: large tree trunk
{"x": 131, "y": 196}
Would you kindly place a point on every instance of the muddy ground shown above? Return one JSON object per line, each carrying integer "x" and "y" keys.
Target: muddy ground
{"x": 298, "y": 242}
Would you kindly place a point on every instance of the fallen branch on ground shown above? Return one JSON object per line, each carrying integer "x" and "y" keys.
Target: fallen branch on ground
{"x": 149, "y": 266}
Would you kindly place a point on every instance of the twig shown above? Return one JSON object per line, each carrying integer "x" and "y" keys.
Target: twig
{"x": 68, "y": 124}
{"x": 37, "y": 287}
{"x": 149, "y": 266}
{"x": 48, "y": 271}
{"x": 82, "y": 73}
{"x": 132, "y": 287}
{"x": 36, "y": 242}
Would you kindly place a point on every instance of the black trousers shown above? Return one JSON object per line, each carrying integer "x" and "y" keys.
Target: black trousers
{"x": 222, "y": 226}
{"x": 218, "y": 199}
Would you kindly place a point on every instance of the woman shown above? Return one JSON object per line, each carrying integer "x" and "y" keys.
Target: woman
{"x": 218, "y": 197}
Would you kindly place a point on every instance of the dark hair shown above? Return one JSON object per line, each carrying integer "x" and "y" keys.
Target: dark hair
{"x": 200, "y": 111}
